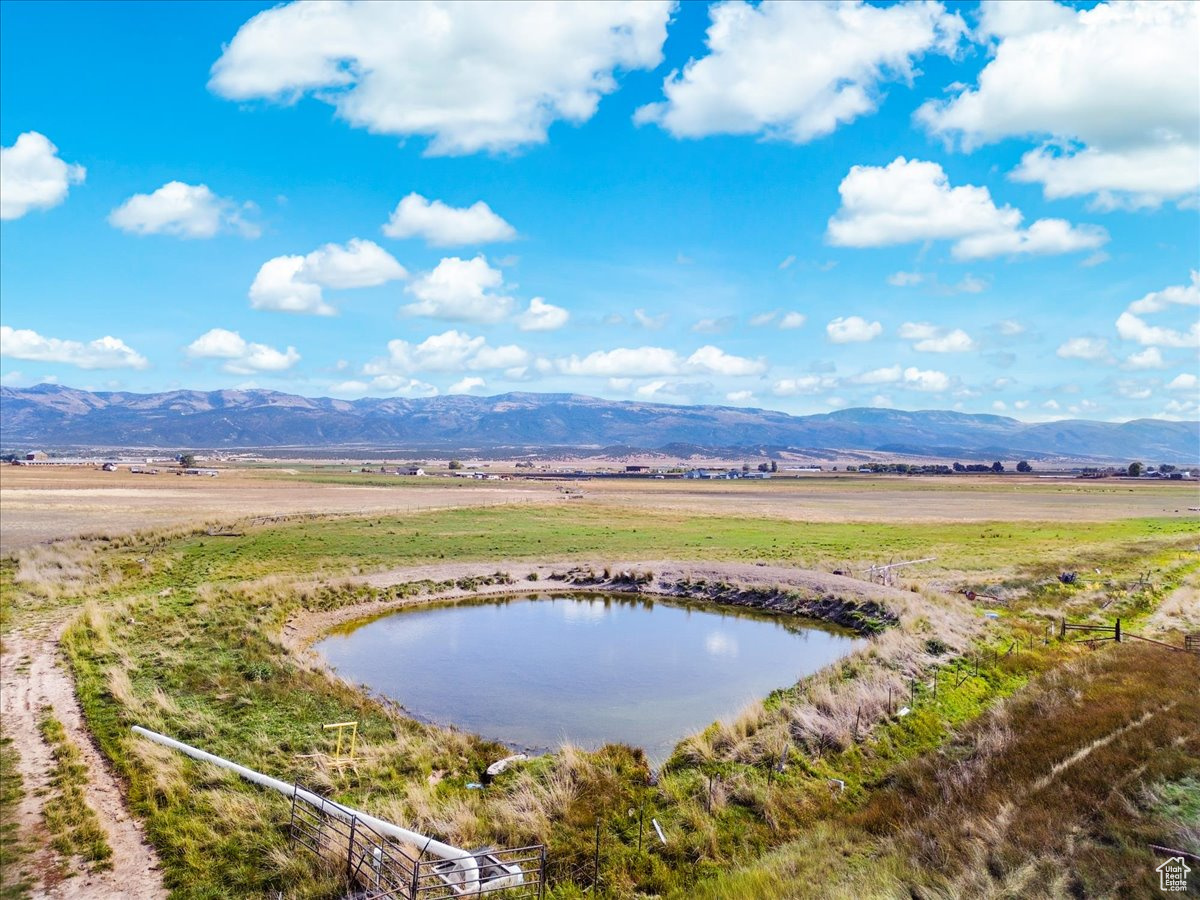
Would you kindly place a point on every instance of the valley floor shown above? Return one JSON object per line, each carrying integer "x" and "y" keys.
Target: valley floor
{"x": 1028, "y": 767}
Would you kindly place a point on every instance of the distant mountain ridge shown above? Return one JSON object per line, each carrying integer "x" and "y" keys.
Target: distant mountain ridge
{"x": 55, "y": 416}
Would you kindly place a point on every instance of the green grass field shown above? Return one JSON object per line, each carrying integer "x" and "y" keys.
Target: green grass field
{"x": 180, "y": 633}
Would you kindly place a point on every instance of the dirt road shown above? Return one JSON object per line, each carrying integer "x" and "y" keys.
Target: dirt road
{"x": 33, "y": 677}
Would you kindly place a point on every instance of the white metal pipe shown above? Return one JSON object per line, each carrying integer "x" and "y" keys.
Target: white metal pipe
{"x": 465, "y": 864}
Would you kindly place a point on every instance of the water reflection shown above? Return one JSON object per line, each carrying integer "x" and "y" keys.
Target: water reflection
{"x": 536, "y": 671}
{"x": 718, "y": 643}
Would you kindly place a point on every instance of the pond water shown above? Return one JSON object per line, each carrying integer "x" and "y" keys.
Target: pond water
{"x": 536, "y": 671}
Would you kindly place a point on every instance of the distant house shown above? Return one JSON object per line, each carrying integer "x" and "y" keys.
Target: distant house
{"x": 37, "y": 454}
{"x": 636, "y": 469}
{"x": 415, "y": 470}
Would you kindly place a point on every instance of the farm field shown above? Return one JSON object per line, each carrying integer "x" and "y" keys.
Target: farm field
{"x": 46, "y": 503}
{"x": 151, "y": 619}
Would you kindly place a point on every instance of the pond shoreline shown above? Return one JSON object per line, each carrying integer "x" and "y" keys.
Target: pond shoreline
{"x": 859, "y": 606}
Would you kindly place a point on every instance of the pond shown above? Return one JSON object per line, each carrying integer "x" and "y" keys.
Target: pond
{"x": 537, "y": 671}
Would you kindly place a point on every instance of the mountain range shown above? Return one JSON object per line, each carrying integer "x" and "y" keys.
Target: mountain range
{"x": 50, "y": 416}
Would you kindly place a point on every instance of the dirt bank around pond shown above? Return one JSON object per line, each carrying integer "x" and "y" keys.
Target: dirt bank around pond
{"x": 837, "y": 599}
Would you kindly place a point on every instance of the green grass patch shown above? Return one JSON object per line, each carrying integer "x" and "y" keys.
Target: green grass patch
{"x": 14, "y": 881}
{"x": 74, "y": 829}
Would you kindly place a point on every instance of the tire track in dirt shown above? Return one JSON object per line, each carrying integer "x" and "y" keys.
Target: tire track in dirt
{"x": 1088, "y": 749}
{"x": 33, "y": 676}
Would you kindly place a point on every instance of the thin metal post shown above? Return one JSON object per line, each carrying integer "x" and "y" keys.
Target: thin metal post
{"x": 350, "y": 849}
{"x": 1118, "y": 631}
{"x": 596, "y": 863}
{"x": 641, "y": 819}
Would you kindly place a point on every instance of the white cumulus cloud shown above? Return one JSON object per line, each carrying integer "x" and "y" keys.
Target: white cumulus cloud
{"x": 447, "y": 226}
{"x": 883, "y": 375}
{"x": 623, "y": 362}
{"x": 32, "y": 176}
{"x": 466, "y": 385}
{"x": 716, "y": 361}
{"x": 295, "y": 283}
{"x": 241, "y": 357}
{"x": 933, "y": 339}
{"x": 183, "y": 210}
{"x": 393, "y": 385}
{"x": 792, "y": 320}
{"x": 804, "y": 384}
{"x": 103, "y": 353}
{"x": 926, "y": 380}
{"x": 470, "y": 76}
{"x": 1135, "y": 328}
{"x": 1110, "y": 93}
{"x": 1177, "y": 295}
{"x": 796, "y": 71}
{"x": 460, "y": 290}
{"x": 912, "y": 200}
{"x": 542, "y": 316}
{"x": 852, "y": 329}
{"x": 1132, "y": 326}
{"x": 1084, "y": 348}
{"x": 450, "y": 351}
{"x": 1184, "y": 382}
{"x": 1150, "y": 358}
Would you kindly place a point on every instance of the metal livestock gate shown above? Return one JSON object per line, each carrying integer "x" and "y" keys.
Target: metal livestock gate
{"x": 383, "y": 869}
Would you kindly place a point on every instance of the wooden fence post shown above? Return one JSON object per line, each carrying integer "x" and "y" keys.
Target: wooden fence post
{"x": 1118, "y": 631}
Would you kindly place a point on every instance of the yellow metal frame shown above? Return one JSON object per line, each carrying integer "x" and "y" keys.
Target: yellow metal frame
{"x": 341, "y": 727}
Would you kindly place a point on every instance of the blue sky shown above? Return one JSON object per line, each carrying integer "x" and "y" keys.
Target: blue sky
{"x": 794, "y": 206}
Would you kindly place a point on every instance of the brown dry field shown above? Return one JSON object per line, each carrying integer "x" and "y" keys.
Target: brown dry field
{"x": 45, "y": 504}
{"x": 901, "y": 499}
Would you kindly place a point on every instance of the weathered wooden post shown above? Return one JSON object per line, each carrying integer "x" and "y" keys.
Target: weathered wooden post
{"x": 1117, "y": 633}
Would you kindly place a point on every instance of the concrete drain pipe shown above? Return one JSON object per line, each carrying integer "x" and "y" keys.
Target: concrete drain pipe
{"x": 463, "y": 876}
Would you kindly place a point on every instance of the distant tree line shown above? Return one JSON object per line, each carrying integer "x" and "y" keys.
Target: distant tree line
{"x": 891, "y": 468}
